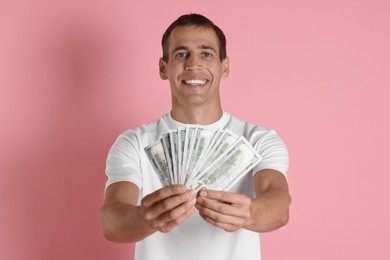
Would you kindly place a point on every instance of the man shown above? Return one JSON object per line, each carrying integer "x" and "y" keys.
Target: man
{"x": 172, "y": 222}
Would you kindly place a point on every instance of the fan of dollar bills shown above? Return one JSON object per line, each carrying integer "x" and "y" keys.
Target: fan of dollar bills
{"x": 202, "y": 158}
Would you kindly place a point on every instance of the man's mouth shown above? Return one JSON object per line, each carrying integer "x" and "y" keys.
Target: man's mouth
{"x": 195, "y": 82}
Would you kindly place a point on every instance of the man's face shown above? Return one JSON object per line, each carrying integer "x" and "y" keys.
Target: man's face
{"x": 194, "y": 69}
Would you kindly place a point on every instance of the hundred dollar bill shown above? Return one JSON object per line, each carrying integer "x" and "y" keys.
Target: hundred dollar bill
{"x": 198, "y": 143}
{"x": 181, "y": 146}
{"x": 175, "y": 159}
{"x": 190, "y": 134}
{"x": 166, "y": 142}
{"x": 224, "y": 142}
{"x": 230, "y": 166}
{"x": 159, "y": 162}
{"x": 203, "y": 138}
{"x": 206, "y": 150}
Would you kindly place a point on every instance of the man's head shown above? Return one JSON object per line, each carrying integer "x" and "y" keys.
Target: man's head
{"x": 194, "y": 20}
{"x": 194, "y": 64}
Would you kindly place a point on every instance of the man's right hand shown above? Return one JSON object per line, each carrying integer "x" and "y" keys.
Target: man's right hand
{"x": 162, "y": 210}
{"x": 168, "y": 207}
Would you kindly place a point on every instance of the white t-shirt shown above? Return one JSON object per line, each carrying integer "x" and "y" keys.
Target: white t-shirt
{"x": 195, "y": 238}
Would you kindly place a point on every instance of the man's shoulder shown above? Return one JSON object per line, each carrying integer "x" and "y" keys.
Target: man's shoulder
{"x": 150, "y": 130}
{"x": 246, "y": 126}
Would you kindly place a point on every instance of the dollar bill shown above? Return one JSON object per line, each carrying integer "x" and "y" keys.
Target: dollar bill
{"x": 181, "y": 145}
{"x": 175, "y": 159}
{"x": 196, "y": 150}
{"x": 202, "y": 140}
{"x": 166, "y": 142}
{"x": 230, "y": 166}
{"x": 226, "y": 139}
{"x": 190, "y": 136}
{"x": 159, "y": 162}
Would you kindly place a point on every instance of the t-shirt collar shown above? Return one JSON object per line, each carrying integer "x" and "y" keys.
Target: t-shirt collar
{"x": 219, "y": 124}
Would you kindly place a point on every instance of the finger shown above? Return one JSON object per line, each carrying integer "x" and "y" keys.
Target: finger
{"x": 221, "y": 218}
{"x": 236, "y": 210}
{"x": 226, "y": 197}
{"x": 169, "y": 204}
{"x": 176, "y": 213}
{"x": 168, "y": 226}
{"x": 226, "y": 226}
{"x": 163, "y": 193}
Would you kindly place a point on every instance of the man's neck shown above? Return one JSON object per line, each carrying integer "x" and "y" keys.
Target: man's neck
{"x": 199, "y": 115}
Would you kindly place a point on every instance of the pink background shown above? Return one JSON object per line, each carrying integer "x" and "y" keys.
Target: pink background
{"x": 75, "y": 74}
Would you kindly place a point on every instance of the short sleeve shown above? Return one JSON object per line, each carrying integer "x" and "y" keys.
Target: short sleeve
{"x": 123, "y": 161}
{"x": 273, "y": 151}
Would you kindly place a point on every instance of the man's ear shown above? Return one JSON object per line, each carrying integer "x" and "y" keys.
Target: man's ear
{"x": 225, "y": 67}
{"x": 162, "y": 69}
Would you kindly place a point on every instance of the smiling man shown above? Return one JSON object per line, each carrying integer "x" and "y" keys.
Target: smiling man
{"x": 172, "y": 222}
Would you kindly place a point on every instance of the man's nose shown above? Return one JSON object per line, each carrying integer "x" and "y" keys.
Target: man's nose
{"x": 193, "y": 63}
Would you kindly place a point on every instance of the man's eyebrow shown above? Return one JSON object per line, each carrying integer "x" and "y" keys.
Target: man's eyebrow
{"x": 207, "y": 47}
{"x": 203, "y": 47}
{"x": 180, "y": 48}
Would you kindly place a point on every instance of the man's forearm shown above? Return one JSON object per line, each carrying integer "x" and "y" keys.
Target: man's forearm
{"x": 162, "y": 210}
{"x": 269, "y": 211}
{"x": 124, "y": 223}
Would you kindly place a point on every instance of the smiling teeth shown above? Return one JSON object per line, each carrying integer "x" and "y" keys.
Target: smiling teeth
{"x": 195, "y": 82}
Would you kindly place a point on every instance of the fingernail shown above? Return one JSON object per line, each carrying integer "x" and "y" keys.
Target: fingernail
{"x": 203, "y": 193}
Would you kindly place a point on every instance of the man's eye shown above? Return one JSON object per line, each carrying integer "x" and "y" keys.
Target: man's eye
{"x": 181, "y": 55}
{"x": 207, "y": 54}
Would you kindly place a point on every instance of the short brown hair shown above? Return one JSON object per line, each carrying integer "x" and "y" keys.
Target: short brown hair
{"x": 197, "y": 20}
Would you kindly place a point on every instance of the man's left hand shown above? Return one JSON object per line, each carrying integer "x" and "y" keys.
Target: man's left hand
{"x": 227, "y": 210}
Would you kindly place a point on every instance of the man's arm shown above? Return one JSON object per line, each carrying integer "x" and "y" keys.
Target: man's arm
{"x": 162, "y": 210}
{"x": 268, "y": 211}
